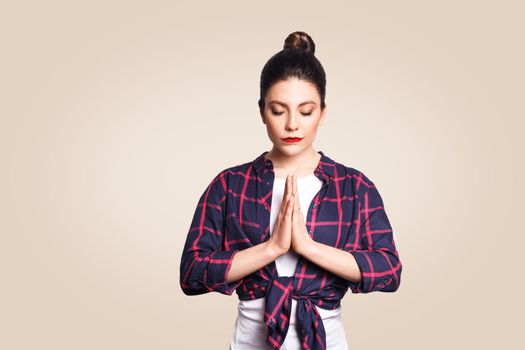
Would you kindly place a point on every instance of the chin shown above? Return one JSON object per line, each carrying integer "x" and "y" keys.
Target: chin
{"x": 291, "y": 150}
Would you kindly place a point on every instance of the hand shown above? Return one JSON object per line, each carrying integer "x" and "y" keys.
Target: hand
{"x": 301, "y": 240}
{"x": 281, "y": 237}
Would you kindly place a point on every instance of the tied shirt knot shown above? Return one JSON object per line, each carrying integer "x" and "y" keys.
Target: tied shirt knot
{"x": 277, "y": 311}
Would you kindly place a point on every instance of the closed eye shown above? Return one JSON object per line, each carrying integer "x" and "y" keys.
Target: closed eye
{"x": 279, "y": 113}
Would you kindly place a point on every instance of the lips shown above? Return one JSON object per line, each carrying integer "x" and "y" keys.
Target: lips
{"x": 292, "y": 139}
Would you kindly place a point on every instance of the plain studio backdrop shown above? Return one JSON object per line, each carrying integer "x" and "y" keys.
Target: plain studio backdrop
{"x": 115, "y": 116}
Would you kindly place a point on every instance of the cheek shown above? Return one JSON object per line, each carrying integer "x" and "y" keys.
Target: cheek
{"x": 273, "y": 129}
{"x": 311, "y": 129}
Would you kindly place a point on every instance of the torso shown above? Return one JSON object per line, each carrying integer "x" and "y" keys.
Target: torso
{"x": 250, "y": 330}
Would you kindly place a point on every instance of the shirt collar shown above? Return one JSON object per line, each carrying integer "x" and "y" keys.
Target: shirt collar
{"x": 324, "y": 170}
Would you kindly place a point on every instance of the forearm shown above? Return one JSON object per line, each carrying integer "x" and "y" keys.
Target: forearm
{"x": 334, "y": 260}
{"x": 251, "y": 259}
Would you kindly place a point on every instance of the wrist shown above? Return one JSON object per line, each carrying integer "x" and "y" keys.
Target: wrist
{"x": 273, "y": 250}
{"x": 307, "y": 247}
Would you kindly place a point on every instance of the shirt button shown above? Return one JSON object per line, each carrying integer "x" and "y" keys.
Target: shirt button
{"x": 270, "y": 322}
{"x": 267, "y": 182}
{"x": 303, "y": 332}
{"x": 195, "y": 283}
{"x": 314, "y": 206}
{"x": 310, "y": 232}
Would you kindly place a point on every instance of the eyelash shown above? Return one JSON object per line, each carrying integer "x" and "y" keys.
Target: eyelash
{"x": 304, "y": 114}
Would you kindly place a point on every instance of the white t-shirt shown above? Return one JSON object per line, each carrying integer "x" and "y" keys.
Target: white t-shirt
{"x": 250, "y": 330}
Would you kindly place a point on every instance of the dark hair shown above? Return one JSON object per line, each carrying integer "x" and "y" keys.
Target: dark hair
{"x": 296, "y": 59}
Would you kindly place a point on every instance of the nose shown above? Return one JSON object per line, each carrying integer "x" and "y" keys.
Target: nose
{"x": 291, "y": 122}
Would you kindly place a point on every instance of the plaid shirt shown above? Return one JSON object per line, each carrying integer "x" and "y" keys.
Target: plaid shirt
{"x": 233, "y": 214}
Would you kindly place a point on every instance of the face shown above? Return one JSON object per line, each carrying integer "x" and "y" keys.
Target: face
{"x": 292, "y": 109}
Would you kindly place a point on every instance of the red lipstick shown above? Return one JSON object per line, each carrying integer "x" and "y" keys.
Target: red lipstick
{"x": 292, "y": 139}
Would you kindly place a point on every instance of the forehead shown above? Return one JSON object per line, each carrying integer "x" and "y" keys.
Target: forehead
{"x": 292, "y": 91}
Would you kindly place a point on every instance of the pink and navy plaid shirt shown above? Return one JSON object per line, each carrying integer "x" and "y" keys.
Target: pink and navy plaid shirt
{"x": 233, "y": 214}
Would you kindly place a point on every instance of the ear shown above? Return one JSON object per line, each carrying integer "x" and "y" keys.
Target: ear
{"x": 323, "y": 115}
{"x": 262, "y": 116}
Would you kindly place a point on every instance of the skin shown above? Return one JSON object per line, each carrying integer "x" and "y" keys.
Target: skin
{"x": 286, "y": 114}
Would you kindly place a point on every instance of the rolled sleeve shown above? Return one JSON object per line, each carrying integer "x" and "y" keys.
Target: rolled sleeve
{"x": 204, "y": 263}
{"x": 376, "y": 256}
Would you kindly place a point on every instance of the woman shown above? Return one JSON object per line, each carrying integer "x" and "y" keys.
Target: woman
{"x": 291, "y": 230}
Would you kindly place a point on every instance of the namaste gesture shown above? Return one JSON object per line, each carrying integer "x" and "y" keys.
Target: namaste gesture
{"x": 290, "y": 228}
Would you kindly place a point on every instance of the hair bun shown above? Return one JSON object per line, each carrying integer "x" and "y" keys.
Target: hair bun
{"x": 299, "y": 40}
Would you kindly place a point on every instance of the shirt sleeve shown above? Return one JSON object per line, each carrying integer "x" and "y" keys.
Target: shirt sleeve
{"x": 205, "y": 263}
{"x": 376, "y": 253}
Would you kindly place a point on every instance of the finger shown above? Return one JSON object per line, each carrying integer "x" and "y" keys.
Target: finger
{"x": 286, "y": 195}
{"x": 289, "y": 206}
{"x": 297, "y": 200}
{"x": 290, "y": 184}
{"x": 286, "y": 186}
{"x": 294, "y": 190}
{"x": 297, "y": 208}
{"x": 286, "y": 222}
{"x": 294, "y": 184}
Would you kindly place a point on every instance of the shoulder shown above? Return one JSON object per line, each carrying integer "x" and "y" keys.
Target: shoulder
{"x": 352, "y": 174}
{"x": 235, "y": 172}
{"x": 229, "y": 176}
{"x": 238, "y": 170}
{"x": 353, "y": 177}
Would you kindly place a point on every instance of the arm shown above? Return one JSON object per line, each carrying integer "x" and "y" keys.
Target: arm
{"x": 375, "y": 264}
{"x": 334, "y": 260}
{"x": 252, "y": 259}
{"x": 204, "y": 264}
{"x": 376, "y": 253}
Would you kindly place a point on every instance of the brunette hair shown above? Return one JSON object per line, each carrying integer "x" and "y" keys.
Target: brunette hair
{"x": 296, "y": 59}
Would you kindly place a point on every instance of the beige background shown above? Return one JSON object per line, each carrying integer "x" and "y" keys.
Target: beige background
{"x": 115, "y": 115}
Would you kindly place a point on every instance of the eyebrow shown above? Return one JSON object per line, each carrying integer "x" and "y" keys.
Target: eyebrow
{"x": 284, "y": 104}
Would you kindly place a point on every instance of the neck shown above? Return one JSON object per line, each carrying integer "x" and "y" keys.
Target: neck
{"x": 301, "y": 163}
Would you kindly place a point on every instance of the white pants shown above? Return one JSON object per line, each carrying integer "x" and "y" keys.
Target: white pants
{"x": 250, "y": 331}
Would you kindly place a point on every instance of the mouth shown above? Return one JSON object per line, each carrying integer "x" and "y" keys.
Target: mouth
{"x": 292, "y": 139}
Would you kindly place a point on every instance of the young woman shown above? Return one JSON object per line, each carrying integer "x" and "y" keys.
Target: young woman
{"x": 291, "y": 230}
